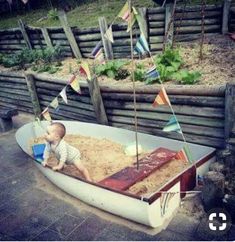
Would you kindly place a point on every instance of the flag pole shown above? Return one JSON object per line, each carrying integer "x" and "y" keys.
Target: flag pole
{"x": 133, "y": 81}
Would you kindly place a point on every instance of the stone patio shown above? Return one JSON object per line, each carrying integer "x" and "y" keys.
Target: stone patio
{"x": 32, "y": 208}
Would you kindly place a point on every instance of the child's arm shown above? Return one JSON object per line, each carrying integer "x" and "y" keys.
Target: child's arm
{"x": 63, "y": 157}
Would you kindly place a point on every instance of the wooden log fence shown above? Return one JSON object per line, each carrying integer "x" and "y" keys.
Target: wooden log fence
{"x": 80, "y": 42}
{"x": 203, "y": 113}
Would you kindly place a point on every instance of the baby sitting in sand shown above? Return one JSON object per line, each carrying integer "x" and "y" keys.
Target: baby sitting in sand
{"x": 64, "y": 152}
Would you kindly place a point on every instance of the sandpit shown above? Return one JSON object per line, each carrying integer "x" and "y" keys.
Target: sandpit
{"x": 103, "y": 157}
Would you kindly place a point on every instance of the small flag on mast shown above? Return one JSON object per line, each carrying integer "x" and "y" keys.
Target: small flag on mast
{"x": 109, "y": 34}
{"x": 64, "y": 95}
{"x": 75, "y": 85}
{"x": 161, "y": 98}
{"x": 172, "y": 125}
{"x": 54, "y": 104}
{"x": 184, "y": 154}
{"x": 84, "y": 69}
{"x": 141, "y": 45}
{"x": 152, "y": 73}
{"x": 125, "y": 12}
{"x": 45, "y": 113}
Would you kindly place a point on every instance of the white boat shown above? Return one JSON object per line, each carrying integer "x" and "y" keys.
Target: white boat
{"x": 153, "y": 210}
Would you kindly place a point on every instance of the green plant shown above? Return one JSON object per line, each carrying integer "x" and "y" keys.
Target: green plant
{"x": 186, "y": 77}
{"x": 139, "y": 72}
{"x": 112, "y": 69}
{"x": 52, "y": 14}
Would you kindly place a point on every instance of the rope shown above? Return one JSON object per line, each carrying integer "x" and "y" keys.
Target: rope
{"x": 133, "y": 82}
{"x": 202, "y": 28}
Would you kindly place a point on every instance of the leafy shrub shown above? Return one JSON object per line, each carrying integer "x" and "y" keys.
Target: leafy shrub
{"x": 139, "y": 72}
{"x": 112, "y": 69}
{"x": 52, "y": 14}
{"x": 186, "y": 77}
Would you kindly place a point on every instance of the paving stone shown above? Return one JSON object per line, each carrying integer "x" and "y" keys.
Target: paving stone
{"x": 172, "y": 236}
{"x": 27, "y": 230}
{"x": 49, "y": 235}
{"x": 88, "y": 229}
{"x": 183, "y": 224}
{"x": 66, "y": 224}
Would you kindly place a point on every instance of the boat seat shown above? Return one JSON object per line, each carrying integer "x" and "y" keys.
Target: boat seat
{"x": 128, "y": 176}
{"x": 6, "y": 115}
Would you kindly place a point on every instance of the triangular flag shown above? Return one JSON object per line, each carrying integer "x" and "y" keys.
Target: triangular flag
{"x": 184, "y": 154}
{"x": 161, "y": 98}
{"x": 140, "y": 20}
{"x": 172, "y": 125}
{"x": 100, "y": 56}
{"x": 84, "y": 69}
{"x": 46, "y": 114}
{"x": 72, "y": 78}
{"x": 125, "y": 12}
{"x": 109, "y": 34}
{"x": 131, "y": 21}
{"x": 75, "y": 85}
{"x": 152, "y": 73}
{"x": 55, "y": 103}
{"x": 64, "y": 95}
{"x": 141, "y": 45}
{"x": 24, "y": 1}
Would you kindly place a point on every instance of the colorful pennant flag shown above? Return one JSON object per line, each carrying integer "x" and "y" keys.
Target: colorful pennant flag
{"x": 140, "y": 20}
{"x": 109, "y": 34}
{"x": 75, "y": 85}
{"x": 184, "y": 154}
{"x": 161, "y": 98}
{"x": 46, "y": 114}
{"x": 55, "y": 104}
{"x": 141, "y": 45}
{"x": 97, "y": 48}
{"x": 64, "y": 95}
{"x": 172, "y": 125}
{"x": 125, "y": 12}
{"x": 152, "y": 73}
{"x": 85, "y": 70}
{"x": 72, "y": 78}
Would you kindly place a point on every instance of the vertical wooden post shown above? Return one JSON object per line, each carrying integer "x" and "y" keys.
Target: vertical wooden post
{"x": 108, "y": 50}
{"x": 69, "y": 34}
{"x": 97, "y": 101}
{"x": 226, "y": 8}
{"x": 46, "y": 37}
{"x": 24, "y": 33}
{"x": 144, "y": 22}
{"x": 229, "y": 110}
{"x": 33, "y": 93}
{"x": 169, "y": 24}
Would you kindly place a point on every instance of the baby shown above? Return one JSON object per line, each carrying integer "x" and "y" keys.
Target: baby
{"x": 64, "y": 152}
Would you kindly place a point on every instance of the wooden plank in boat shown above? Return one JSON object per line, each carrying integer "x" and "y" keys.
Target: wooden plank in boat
{"x": 128, "y": 176}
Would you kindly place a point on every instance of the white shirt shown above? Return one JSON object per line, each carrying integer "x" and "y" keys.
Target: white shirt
{"x": 64, "y": 152}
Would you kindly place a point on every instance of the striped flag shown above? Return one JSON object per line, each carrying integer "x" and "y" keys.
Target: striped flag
{"x": 55, "y": 104}
{"x": 84, "y": 69}
{"x": 109, "y": 34}
{"x": 185, "y": 154}
{"x": 125, "y": 12}
{"x": 152, "y": 73}
{"x": 141, "y": 45}
{"x": 161, "y": 98}
{"x": 75, "y": 85}
{"x": 64, "y": 95}
{"x": 46, "y": 115}
{"x": 172, "y": 125}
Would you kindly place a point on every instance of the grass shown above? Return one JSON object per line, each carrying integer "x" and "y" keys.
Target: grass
{"x": 84, "y": 15}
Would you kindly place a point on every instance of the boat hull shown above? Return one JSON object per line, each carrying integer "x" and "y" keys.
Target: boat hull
{"x": 152, "y": 211}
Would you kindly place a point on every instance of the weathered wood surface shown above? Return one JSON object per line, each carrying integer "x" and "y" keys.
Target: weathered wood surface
{"x": 24, "y": 34}
{"x": 46, "y": 37}
{"x": 69, "y": 34}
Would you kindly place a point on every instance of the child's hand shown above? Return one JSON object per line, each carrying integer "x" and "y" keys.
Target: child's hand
{"x": 44, "y": 163}
{"x": 56, "y": 168}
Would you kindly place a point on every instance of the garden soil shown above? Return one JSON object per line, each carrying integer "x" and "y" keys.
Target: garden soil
{"x": 103, "y": 157}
